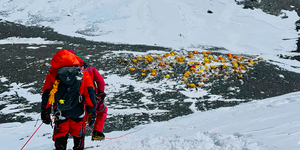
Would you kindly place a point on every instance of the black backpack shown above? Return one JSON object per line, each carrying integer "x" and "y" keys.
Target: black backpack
{"x": 68, "y": 95}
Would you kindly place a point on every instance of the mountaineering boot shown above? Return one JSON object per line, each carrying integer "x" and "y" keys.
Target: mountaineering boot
{"x": 97, "y": 135}
{"x": 78, "y": 143}
{"x": 61, "y": 143}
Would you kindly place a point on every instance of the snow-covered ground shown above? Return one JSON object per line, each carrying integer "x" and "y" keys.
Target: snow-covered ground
{"x": 258, "y": 125}
{"x": 271, "y": 123}
{"x": 176, "y": 23}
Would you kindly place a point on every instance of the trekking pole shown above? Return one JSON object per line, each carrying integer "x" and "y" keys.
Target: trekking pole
{"x": 32, "y": 135}
{"x": 36, "y": 122}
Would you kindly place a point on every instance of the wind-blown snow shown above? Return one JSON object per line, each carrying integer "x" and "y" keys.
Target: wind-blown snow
{"x": 271, "y": 123}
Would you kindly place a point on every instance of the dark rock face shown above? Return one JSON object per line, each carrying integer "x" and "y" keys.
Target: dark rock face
{"x": 297, "y": 23}
{"x": 26, "y": 66}
{"x": 272, "y": 7}
{"x": 275, "y": 7}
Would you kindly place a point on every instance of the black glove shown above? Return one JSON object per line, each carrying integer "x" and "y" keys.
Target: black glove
{"x": 45, "y": 116}
{"x": 100, "y": 102}
{"x": 91, "y": 118}
{"x": 100, "y": 96}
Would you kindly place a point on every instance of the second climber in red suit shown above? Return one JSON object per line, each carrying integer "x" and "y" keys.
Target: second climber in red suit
{"x": 101, "y": 109}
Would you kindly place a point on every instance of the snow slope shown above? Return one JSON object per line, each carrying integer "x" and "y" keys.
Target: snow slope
{"x": 176, "y": 23}
{"x": 265, "y": 125}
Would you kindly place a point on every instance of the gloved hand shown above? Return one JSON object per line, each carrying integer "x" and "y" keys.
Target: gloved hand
{"x": 100, "y": 102}
{"x": 91, "y": 118}
{"x": 45, "y": 116}
{"x": 100, "y": 96}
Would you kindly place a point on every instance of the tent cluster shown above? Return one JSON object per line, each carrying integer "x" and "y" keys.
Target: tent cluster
{"x": 196, "y": 67}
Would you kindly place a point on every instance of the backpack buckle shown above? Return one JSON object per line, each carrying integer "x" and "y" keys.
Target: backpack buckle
{"x": 58, "y": 115}
{"x": 80, "y": 99}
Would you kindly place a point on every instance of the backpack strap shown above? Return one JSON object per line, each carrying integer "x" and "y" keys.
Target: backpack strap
{"x": 51, "y": 99}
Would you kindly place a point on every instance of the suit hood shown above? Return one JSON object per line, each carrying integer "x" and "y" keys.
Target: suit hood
{"x": 64, "y": 58}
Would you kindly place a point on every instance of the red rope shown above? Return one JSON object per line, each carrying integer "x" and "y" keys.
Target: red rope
{"x": 127, "y": 133}
{"x": 32, "y": 135}
{"x": 121, "y": 135}
{"x": 88, "y": 127}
